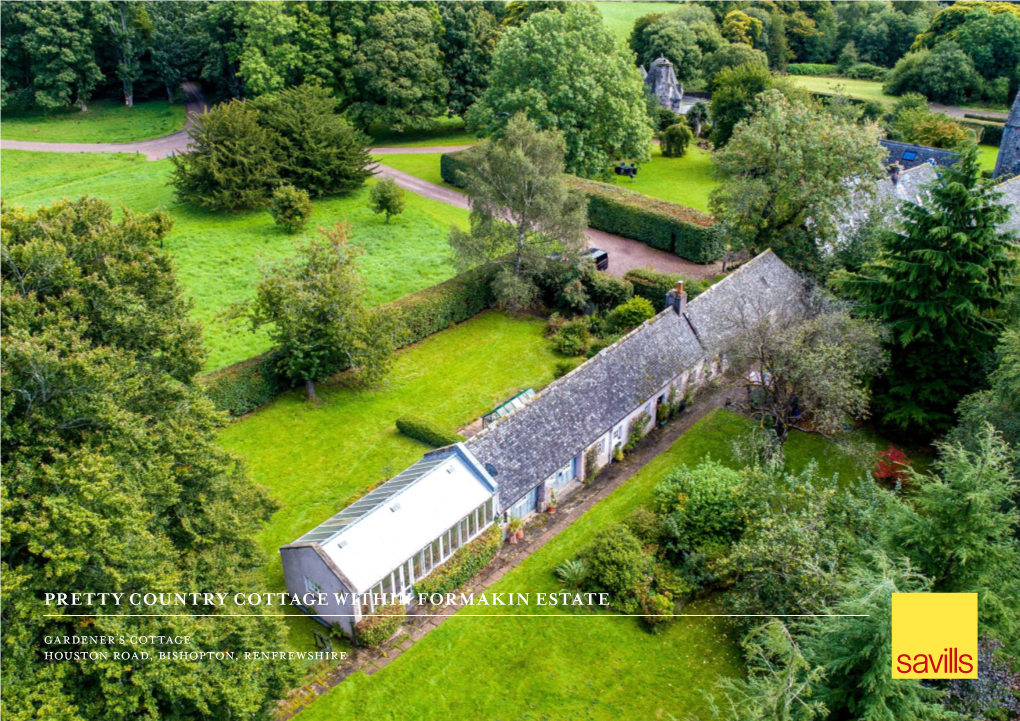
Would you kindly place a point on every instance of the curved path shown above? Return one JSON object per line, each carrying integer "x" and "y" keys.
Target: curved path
{"x": 624, "y": 254}
{"x": 155, "y": 149}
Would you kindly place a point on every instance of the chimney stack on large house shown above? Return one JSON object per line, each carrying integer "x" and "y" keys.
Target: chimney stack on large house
{"x": 677, "y": 299}
{"x": 895, "y": 171}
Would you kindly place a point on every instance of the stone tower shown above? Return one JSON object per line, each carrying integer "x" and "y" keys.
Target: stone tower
{"x": 1008, "y": 162}
{"x": 660, "y": 81}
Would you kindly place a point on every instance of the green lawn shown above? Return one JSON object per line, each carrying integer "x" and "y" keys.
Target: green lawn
{"x": 863, "y": 89}
{"x": 316, "y": 459}
{"x": 420, "y": 165}
{"x": 620, "y": 16}
{"x": 987, "y": 155}
{"x": 218, "y": 254}
{"x": 687, "y": 180}
{"x": 106, "y": 121}
{"x": 448, "y": 131}
{"x": 473, "y": 667}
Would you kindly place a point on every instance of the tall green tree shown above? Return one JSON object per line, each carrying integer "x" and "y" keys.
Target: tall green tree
{"x": 176, "y": 46}
{"x": 937, "y": 285}
{"x": 113, "y": 480}
{"x": 233, "y": 162}
{"x": 959, "y": 531}
{"x": 315, "y": 306}
{"x": 521, "y": 210}
{"x": 320, "y": 152}
{"x": 565, "y": 72}
{"x": 398, "y": 70}
{"x": 854, "y": 650}
{"x": 735, "y": 93}
{"x": 127, "y": 24}
{"x": 60, "y": 42}
{"x": 469, "y": 38}
{"x": 786, "y": 173}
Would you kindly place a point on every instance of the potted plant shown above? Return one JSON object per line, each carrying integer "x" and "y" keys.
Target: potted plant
{"x": 515, "y": 530}
{"x": 551, "y": 508}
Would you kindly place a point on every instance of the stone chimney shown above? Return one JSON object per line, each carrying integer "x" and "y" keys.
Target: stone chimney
{"x": 895, "y": 170}
{"x": 677, "y": 299}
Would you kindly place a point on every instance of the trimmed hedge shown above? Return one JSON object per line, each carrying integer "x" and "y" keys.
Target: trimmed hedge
{"x": 427, "y": 432}
{"x": 667, "y": 226}
{"x": 988, "y": 132}
{"x": 607, "y": 291}
{"x": 244, "y": 386}
{"x": 671, "y": 227}
{"x": 653, "y": 285}
{"x": 449, "y": 165}
{"x": 463, "y": 564}
{"x": 811, "y": 69}
{"x": 376, "y": 629}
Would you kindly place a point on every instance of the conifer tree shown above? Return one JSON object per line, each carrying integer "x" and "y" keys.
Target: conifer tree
{"x": 937, "y": 284}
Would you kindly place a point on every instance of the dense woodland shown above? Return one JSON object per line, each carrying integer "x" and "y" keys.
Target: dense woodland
{"x": 113, "y": 477}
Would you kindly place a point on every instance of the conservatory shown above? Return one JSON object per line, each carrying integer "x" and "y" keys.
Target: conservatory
{"x": 394, "y": 536}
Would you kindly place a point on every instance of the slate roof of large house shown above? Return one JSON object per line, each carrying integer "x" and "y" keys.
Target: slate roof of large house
{"x": 572, "y": 412}
{"x": 909, "y": 155}
{"x": 1008, "y": 160}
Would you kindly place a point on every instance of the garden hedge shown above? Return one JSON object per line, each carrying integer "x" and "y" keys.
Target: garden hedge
{"x": 989, "y": 133}
{"x": 427, "y": 432}
{"x": 376, "y": 629}
{"x": 811, "y": 69}
{"x": 463, "y": 564}
{"x": 653, "y": 285}
{"x": 244, "y": 386}
{"x": 667, "y": 226}
{"x": 671, "y": 227}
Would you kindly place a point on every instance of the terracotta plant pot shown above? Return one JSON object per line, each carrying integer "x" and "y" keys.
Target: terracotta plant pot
{"x": 551, "y": 510}
{"x": 520, "y": 535}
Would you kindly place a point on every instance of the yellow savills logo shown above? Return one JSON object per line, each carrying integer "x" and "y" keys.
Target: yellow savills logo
{"x": 934, "y": 635}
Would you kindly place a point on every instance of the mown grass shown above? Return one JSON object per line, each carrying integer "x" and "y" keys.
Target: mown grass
{"x": 218, "y": 254}
{"x": 317, "y": 458}
{"x": 420, "y": 165}
{"x": 106, "y": 121}
{"x": 862, "y": 89}
{"x": 687, "y": 180}
{"x": 987, "y": 155}
{"x": 620, "y": 16}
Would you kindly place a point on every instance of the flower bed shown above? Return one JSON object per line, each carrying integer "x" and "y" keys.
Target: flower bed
{"x": 463, "y": 564}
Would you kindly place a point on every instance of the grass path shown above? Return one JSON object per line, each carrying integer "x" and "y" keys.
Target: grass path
{"x": 218, "y": 254}
{"x": 863, "y": 89}
{"x": 106, "y": 121}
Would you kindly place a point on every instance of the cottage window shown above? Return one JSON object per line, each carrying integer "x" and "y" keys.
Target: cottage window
{"x": 427, "y": 557}
{"x": 311, "y": 586}
{"x": 409, "y": 578}
{"x": 618, "y": 433}
{"x": 437, "y": 551}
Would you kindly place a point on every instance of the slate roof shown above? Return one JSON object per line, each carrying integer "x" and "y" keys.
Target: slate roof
{"x": 1008, "y": 160}
{"x": 910, "y": 155}
{"x": 572, "y": 412}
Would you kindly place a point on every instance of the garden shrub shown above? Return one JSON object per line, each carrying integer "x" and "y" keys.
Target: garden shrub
{"x": 675, "y": 139}
{"x": 866, "y": 71}
{"x": 601, "y": 343}
{"x": 591, "y": 464}
{"x": 450, "y": 167}
{"x": 564, "y": 366}
{"x": 637, "y": 432}
{"x": 644, "y": 524}
{"x": 463, "y": 564}
{"x": 291, "y": 208}
{"x": 629, "y": 315}
{"x": 245, "y": 386}
{"x": 671, "y": 227}
{"x": 616, "y": 565}
{"x": 699, "y": 506}
{"x": 377, "y": 629}
{"x": 555, "y": 324}
{"x": 387, "y": 197}
{"x": 653, "y": 285}
{"x": 574, "y": 338}
{"x": 658, "y": 611}
{"x": 427, "y": 432}
{"x": 607, "y": 291}
{"x": 990, "y": 132}
{"x": 811, "y": 69}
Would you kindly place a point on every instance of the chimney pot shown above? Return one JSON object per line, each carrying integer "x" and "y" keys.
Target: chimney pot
{"x": 679, "y": 287}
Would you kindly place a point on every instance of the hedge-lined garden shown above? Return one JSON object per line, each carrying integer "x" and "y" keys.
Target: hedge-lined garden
{"x": 243, "y": 387}
{"x": 666, "y": 226}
